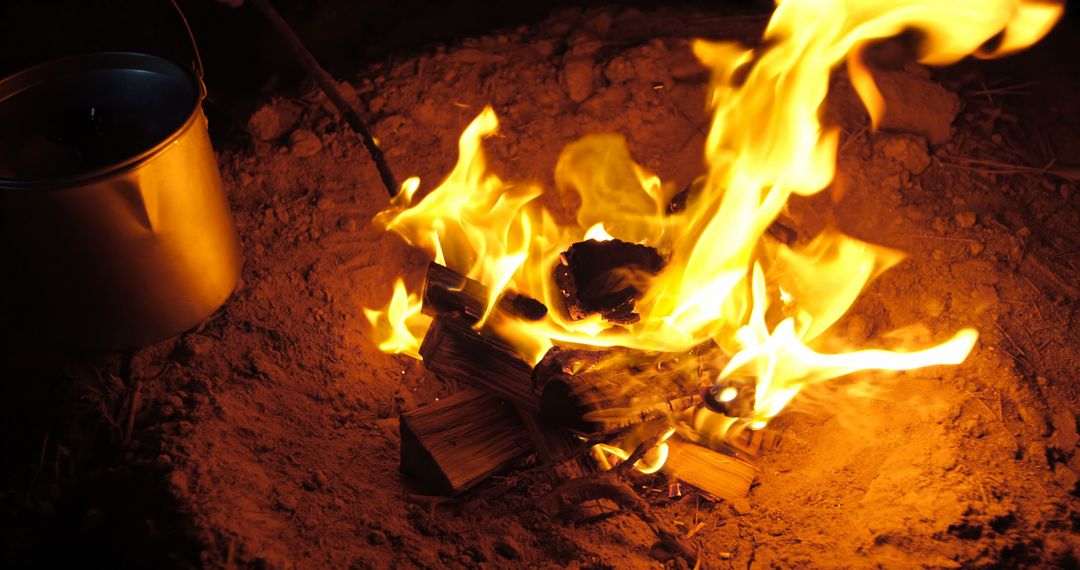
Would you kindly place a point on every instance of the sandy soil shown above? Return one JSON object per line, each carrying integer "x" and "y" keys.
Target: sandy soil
{"x": 272, "y": 428}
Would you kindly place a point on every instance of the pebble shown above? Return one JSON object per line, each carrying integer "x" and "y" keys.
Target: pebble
{"x": 508, "y": 548}
{"x": 909, "y": 151}
{"x": 304, "y": 143}
{"x": 175, "y": 402}
{"x": 578, "y": 78}
{"x": 985, "y": 296}
{"x": 965, "y": 219}
{"x": 741, "y": 507}
{"x": 1065, "y": 435}
{"x": 376, "y": 538}
{"x": 1065, "y": 477}
{"x": 287, "y": 502}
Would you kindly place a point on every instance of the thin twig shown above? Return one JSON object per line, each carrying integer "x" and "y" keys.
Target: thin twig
{"x": 127, "y": 375}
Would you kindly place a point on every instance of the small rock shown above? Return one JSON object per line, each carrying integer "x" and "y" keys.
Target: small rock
{"x": 1065, "y": 477}
{"x": 164, "y": 460}
{"x": 304, "y": 143}
{"x": 909, "y": 151}
{"x": 965, "y": 219}
{"x": 273, "y": 120}
{"x": 287, "y": 502}
{"x": 578, "y": 78}
{"x": 976, "y": 247}
{"x": 741, "y": 507}
{"x": 1065, "y": 435}
{"x": 940, "y": 225}
{"x": 985, "y": 296}
{"x": 376, "y": 538}
{"x": 508, "y": 548}
{"x": 178, "y": 483}
{"x": 320, "y": 478}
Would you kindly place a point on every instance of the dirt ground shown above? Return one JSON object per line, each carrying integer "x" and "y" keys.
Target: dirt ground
{"x": 268, "y": 436}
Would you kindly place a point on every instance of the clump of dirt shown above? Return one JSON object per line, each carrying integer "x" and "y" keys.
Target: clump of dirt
{"x": 274, "y": 424}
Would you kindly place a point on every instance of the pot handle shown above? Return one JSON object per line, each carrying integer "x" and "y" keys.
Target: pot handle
{"x": 198, "y": 65}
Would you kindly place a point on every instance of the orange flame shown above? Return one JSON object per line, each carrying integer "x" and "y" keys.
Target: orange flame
{"x": 765, "y": 143}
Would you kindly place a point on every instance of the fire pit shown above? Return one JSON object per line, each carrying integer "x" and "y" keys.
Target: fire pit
{"x": 567, "y": 363}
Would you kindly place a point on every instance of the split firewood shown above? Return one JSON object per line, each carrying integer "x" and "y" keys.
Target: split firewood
{"x": 602, "y": 391}
{"x": 454, "y": 350}
{"x": 722, "y": 475}
{"x": 449, "y": 293}
{"x": 480, "y": 359}
{"x": 453, "y": 444}
{"x": 606, "y": 277}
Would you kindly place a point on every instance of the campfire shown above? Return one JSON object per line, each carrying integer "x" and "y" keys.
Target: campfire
{"x": 661, "y": 326}
{"x": 782, "y": 297}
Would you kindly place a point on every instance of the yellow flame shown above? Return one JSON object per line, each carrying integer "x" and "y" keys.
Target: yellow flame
{"x": 765, "y": 143}
{"x": 400, "y": 326}
{"x": 598, "y": 233}
{"x": 652, "y": 462}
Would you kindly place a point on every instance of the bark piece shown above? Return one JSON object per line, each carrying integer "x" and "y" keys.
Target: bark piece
{"x": 450, "y": 445}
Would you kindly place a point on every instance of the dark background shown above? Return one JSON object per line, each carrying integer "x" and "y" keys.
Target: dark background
{"x": 243, "y": 56}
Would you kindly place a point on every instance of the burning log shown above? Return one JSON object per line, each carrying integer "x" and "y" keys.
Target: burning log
{"x": 449, "y": 446}
{"x": 449, "y": 293}
{"x": 453, "y": 444}
{"x": 606, "y": 277}
{"x": 724, "y": 476}
{"x": 589, "y": 392}
{"x": 485, "y": 362}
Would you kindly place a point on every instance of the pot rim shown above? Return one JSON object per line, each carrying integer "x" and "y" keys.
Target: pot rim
{"x": 102, "y": 60}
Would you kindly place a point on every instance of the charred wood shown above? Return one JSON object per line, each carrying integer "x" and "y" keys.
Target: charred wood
{"x": 449, "y": 293}
{"x": 606, "y": 277}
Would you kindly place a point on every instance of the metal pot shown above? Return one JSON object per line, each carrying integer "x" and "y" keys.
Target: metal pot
{"x": 117, "y": 231}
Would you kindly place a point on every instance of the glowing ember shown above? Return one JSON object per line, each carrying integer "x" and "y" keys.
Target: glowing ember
{"x": 763, "y": 306}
